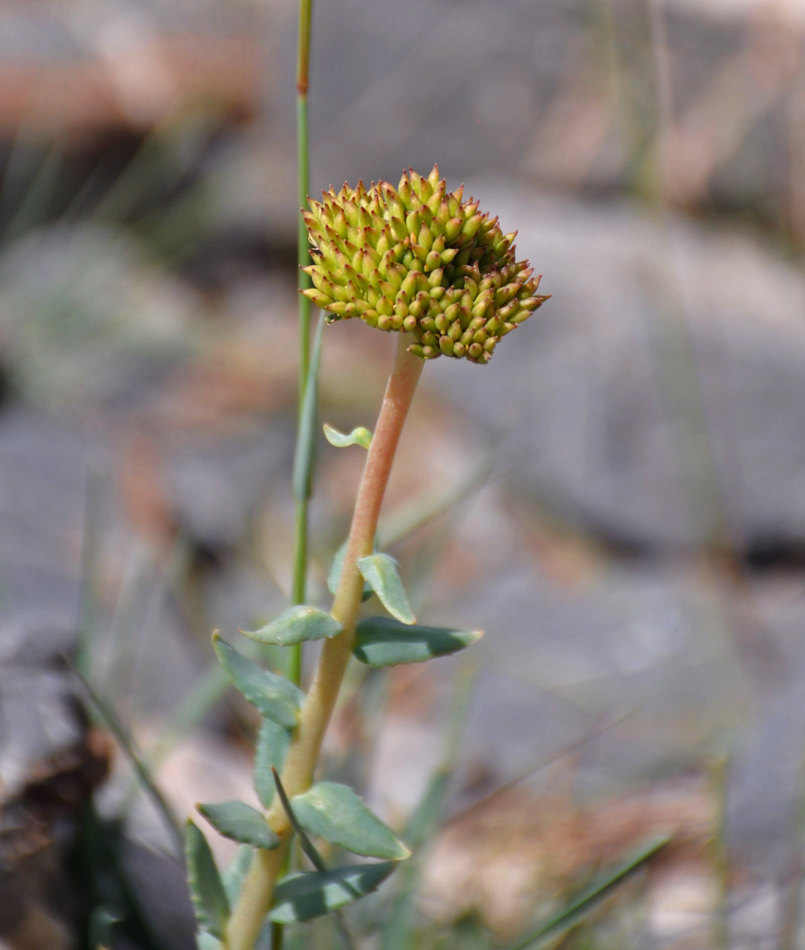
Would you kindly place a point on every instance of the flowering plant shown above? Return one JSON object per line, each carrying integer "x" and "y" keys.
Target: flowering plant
{"x": 420, "y": 261}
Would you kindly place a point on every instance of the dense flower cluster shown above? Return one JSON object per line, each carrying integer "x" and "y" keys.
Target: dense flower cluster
{"x": 418, "y": 258}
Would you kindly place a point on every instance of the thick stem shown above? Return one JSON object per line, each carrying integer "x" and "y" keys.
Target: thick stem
{"x": 258, "y": 887}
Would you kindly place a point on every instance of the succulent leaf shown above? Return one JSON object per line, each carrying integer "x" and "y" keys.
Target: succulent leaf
{"x": 334, "y": 812}
{"x": 210, "y": 901}
{"x": 301, "y": 897}
{"x": 240, "y": 822}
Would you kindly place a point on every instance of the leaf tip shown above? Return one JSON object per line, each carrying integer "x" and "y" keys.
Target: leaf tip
{"x": 404, "y": 851}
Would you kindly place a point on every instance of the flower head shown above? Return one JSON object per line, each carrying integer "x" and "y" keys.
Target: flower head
{"x": 418, "y": 258}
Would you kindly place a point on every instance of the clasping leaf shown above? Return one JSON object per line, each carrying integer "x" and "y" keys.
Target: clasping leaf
{"x": 382, "y": 641}
{"x": 241, "y": 823}
{"x": 334, "y": 577}
{"x": 296, "y": 625}
{"x": 381, "y": 573}
{"x": 272, "y": 746}
{"x": 274, "y": 697}
{"x": 305, "y": 896}
{"x": 334, "y": 812}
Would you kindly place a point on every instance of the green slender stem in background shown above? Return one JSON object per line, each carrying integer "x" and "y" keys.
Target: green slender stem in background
{"x": 308, "y": 370}
{"x": 258, "y": 887}
{"x": 303, "y": 256}
{"x": 115, "y": 726}
{"x": 719, "y": 774}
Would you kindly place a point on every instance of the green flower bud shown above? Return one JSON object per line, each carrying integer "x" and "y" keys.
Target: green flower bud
{"x": 432, "y": 261}
{"x": 446, "y": 345}
{"x": 418, "y": 259}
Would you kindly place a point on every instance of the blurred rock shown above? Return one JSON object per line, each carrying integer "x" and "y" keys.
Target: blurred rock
{"x": 83, "y": 71}
{"x": 43, "y": 478}
{"x": 49, "y": 762}
{"x": 216, "y": 486}
{"x": 85, "y": 315}
{"x": 160, "y": 883}
{"x": 575, "y": 93}
{"x": 655, "y": 401}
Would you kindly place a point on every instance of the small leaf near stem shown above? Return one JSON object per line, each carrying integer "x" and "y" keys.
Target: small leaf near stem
{"x": 381, "y": 573}
{"x": 341, "y": 440}
{"x": 240, "y": 822}
{"x": 334, "y": 812}
{"x": 318, "y": 863}
{"x": 383, "y": 641}
{"x": 337, "y": 568}
{"x": 295, "y": 625}
{"x": 303, "y": 897}
{"x": 272, "y": 695}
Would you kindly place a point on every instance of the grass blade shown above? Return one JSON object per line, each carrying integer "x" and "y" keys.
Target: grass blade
{"x": 571, "y": 913}
{"x": 118, "y": 730}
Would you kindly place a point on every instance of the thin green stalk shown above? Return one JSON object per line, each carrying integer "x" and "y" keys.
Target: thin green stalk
{"x": 308, "y": 371}
{"x": 298, "y": 589}
{"x": 258, "y": 888}
{"x": 719, "y": 773}
{"x": 114, "y": 724}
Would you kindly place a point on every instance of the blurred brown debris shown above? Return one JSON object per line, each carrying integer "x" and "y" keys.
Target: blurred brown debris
{"x": 500, "y": 857}
{"x": 35, "y": 829}
{"x": 144, "y": 83}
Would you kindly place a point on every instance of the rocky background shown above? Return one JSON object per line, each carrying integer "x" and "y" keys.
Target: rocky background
{"x": 618, "y": 501}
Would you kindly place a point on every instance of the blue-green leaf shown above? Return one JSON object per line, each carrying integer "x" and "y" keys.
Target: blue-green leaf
{"x": 334, "y": 577}
{"x": 206, "y": 941}
{"x": 382, "y": 641}
{"x": 295, "y": 625}
{"x": 235, "y": 872}
{"x": 381, "y": 573}
{"x": 272, "y": 746}
{"x": 274, "y": 697}
{"x": 334, "y": 812}
{"x": 305, "y": 896}
{"x": 209, "y": 897}
{"x": 358, "y": 436}
{"x": 241, "y": 823}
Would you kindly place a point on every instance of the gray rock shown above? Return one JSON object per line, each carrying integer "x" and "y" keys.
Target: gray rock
{"x": 85, "y": 315}
{"x": 43, "y": 480}
{"x": 563, "y": 90}
{"x": 217, "y": 484}
{"x": 656, "y": 400}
